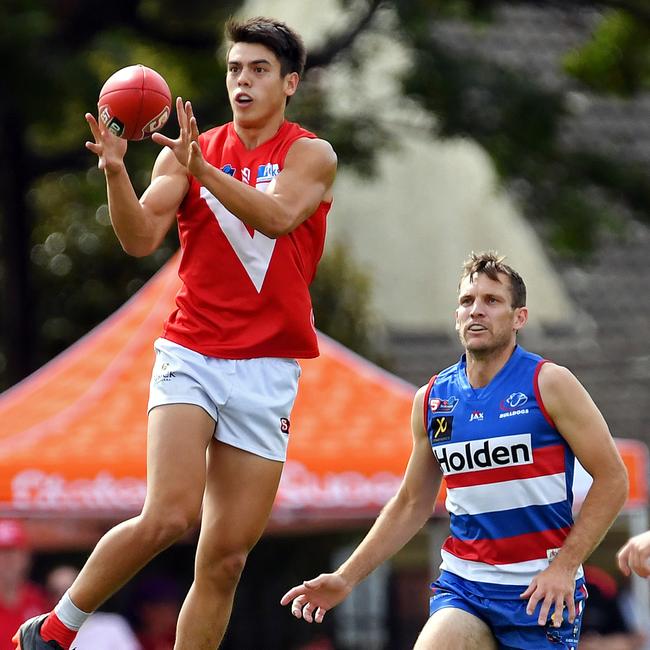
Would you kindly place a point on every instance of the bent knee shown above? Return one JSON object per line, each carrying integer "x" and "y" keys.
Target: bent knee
{"x": 164, "y": 529}
{"x": 224, "y": 568}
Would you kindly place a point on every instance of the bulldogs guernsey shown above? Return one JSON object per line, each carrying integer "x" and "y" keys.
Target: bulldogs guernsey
{"x": 245, "y": 295}
{"x": 509, "y": 474}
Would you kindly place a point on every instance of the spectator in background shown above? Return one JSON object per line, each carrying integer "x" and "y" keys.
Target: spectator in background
{"x": 604, "y": 626}
{"x": 20, "y": 599}
{"x": 103, "y": 630}
{"x": 156, "y": 603}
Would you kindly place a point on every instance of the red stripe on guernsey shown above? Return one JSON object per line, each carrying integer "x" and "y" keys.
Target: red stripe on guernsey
{"x": 432, "y": 381}
{"x": 547, "y": 461}
{"x": 538, "y": 395}
{"x": 509, "y": 550}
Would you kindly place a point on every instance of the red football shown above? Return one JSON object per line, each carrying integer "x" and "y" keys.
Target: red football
{"x": 134, "y": 102}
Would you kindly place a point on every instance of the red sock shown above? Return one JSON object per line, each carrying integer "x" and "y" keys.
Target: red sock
{"x": 54, "y": 629}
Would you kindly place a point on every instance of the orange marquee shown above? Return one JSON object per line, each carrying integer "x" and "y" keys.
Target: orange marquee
{"x": 72, "y": 438}
{"x": 72, "y": 435}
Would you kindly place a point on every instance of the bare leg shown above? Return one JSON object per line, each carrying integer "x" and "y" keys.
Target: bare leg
{"x": 177, "y": 439}
{"x": 455, "y": 629}
{"x": 239, "y": 494}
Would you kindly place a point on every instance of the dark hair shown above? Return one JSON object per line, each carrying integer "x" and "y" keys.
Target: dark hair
{"x": 491, "y": 264}
{"x": 283, "y": 41}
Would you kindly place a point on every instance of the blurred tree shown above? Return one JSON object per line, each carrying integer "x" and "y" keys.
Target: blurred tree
{"x": 569, "y": 195}
{"x": 61, "y": 271}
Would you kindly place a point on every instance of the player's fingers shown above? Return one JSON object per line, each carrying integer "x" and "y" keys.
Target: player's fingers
{"x": 319, "y": 614}
{"x": 94, "y": 147}
{"x": 622, "y": 559}
{"x": 293, "y": 594}
{"x": 163, "y": 140}
{"x": 532, "y": 603}
{"x": 180, "y": 113}
{"x": 558, "y": 610}
{"x": 307, "y": 612}
{"x": 543, "y": 612}
{"x": 641, "y": 564}
{"x": 94, "y": 126}
{"x": 194, "y": 128}
{"x": 529, "y": 591}
{"x": 297, "y": 605}
{"x": 571, "y": 607}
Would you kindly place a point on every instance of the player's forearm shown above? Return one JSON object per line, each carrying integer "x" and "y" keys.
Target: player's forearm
{"x": 398, "y": 522}
{"x": 256, "y": 209}
{"x": 602, "y": 504}
{"x": 131, "y": 223}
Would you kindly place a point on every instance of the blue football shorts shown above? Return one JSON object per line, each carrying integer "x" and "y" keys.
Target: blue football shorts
{"x": 505, "y": 613}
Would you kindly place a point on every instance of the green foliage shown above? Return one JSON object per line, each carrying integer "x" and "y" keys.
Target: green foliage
{"x": 518, "y": 122}
{"x": 59, "y": 252}
{"x": 617, "y": 59}
{"x": 341, "y": 294}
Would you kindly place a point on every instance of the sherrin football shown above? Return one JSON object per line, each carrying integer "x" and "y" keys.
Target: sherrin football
{"x": 134, "y": 102}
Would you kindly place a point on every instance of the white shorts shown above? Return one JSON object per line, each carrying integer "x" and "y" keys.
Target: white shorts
{"x": 250, "y": 400}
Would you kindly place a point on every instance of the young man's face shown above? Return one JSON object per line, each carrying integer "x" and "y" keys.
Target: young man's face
{"x": 486, "y": 321}
{"x": 256, "y": 88}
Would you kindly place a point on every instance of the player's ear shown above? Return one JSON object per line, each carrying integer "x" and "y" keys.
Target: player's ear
{"x": 521, "y": 317}
{"x": 291, "y": 82}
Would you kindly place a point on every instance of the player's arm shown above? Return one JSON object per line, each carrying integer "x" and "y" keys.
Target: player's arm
{"x": 293, "y": 195}
{"x": 140, "y": 224}
{"x": 402, "y": 517}
{"x": 581, "y": 424}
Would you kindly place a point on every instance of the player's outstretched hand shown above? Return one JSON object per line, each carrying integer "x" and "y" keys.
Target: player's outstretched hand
{"x": 314, "y": 598}
{"x": 553, "y": 587}
{"x": 635, "y": 555}
{"x": 186, "y": 146}
{"x": 109, "y": 148}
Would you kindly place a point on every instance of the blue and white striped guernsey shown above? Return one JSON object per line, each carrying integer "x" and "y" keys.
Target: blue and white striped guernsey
{"x": 509, "y": 472}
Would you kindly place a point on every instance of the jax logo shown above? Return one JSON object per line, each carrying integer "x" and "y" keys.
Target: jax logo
{"x": 513, "y": 401}
{"x": 438, "y": 405}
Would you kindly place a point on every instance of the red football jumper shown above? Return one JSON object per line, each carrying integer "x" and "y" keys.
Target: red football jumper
{"x": 245, "y": 295}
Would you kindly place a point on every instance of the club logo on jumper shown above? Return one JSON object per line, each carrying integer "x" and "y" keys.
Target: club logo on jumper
{"x": 284, "y": 425}
{"x": 440, "y": 429}
{"x": 438, "y": 405}
{"x": 490, "y": 453}
{"x": 476, "y": 415}
{"x": 246, "y": 174}
{"x": 228, "y": 169}
{"x": 165, "y": 374}
{"x": 513, "y": 401}
{"x": 512, "y": 404}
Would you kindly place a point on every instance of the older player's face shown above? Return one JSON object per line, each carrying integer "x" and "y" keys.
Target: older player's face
{"x": 256, "y": 88}
{"x": 485, "y": 319}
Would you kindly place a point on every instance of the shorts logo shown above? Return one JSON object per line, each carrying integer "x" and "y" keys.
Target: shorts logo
{"x": 284, "y": 425}
{"x": 438, "y": 405}
{"x": 165, "y": 374}
{"x": 440, "y": 429}
{"x": 476, "y": 415}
